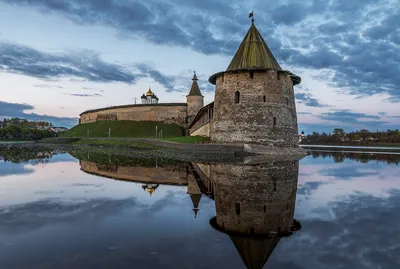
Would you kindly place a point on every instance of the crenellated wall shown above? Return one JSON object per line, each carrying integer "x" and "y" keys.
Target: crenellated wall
{"x": 255, "y": 107}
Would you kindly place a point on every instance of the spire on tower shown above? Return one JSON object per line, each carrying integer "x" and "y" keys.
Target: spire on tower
{"x": 194, "y": 76}
{"x": 195, "y": 90}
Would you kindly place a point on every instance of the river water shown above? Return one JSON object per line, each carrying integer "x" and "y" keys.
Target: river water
{"x": 330, "y": 210}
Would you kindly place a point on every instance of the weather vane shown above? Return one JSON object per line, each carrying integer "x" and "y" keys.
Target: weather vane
{"x": 251, "y": 15}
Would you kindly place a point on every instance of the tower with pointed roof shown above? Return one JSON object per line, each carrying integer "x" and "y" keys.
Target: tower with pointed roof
{"x": 194, "y": 99}
{"x": 254, "y": 98}
{"x": 195, "y": 194}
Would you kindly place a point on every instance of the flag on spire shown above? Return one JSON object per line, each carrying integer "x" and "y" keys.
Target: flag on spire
{"x": 251, "y": 14}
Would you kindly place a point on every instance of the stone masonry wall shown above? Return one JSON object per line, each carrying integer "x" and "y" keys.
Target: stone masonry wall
{"x": 169, "y": 114}
{"x": 255, "y": 199}
{"x": 195, "y": 103}
{"x": 265, "y": 113}
{"x": 204, "y": 130}
{"x": 166, "y": 174}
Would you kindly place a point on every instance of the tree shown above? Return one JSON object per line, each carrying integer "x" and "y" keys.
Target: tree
{"x": 338, "y": 134}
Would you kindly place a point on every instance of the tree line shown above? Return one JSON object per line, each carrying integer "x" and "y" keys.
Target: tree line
{"x": 364, "y": 137}
{"x": 22, "y": 129}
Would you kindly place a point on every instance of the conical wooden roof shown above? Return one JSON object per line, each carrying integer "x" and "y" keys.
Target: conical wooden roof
{"x": 195, "y": 90}
{"x": 253, "y": 53}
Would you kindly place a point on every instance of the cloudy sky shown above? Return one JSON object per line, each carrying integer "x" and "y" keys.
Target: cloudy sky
{"x": 59, "y": 58}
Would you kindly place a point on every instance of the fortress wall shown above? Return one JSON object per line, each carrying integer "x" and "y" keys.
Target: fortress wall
{"x": 204, "y": 130}
{"x": 169, "y": 114}
{"x": 165, "y": 174}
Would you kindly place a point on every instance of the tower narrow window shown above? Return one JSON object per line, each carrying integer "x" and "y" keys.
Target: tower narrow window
{"x": 279, "y": 76}
{"x": 274, "y": 121}
{"x": 265, "y": 208}
{"x": 237, "y": 208}
{"x": 287, "y": 101}
{"x": 237, "y": 97}
{"x": 251, "y": 74}
{"x": 264, "y": 98}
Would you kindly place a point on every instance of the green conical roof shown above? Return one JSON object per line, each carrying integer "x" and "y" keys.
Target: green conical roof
{"x": 195, "y": 90}
{"x": 253, "y": 53}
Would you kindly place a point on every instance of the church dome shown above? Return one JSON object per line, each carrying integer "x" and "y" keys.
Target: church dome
{"x": 143, "y": 96}
{"x": 149, "y": 93}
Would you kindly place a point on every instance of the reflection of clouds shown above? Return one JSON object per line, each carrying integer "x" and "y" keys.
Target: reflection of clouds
{"x": 30, "y": 216}
{"x": 322, "y": 183}
{"x": 348, "y": 172}
{"x": 362, "y": 232}
{"x": 9, "y": 169}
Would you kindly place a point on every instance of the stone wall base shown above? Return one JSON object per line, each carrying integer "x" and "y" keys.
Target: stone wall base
{"x": 275, "y": 153}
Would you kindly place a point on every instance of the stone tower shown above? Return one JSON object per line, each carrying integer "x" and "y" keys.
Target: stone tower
{"x": 254, "y": 98}
{"x": 194, "y": 100}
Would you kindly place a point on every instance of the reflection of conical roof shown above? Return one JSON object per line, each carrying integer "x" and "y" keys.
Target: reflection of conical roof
{"x": 254, "y": 251}
{"x": 195, "y": 90}
{"x": 195, "y": 200}
{"x": 253, "y": 53}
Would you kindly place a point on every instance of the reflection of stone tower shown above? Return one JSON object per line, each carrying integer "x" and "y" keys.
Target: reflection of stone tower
{"x": 254, "y": 98}
{"x": 255, "y": 206}
{"x": 195, "y": 100}
{"x": 195, "y": 194}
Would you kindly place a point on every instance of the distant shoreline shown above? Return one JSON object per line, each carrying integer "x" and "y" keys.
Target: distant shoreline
{"x": 353, "y": 149}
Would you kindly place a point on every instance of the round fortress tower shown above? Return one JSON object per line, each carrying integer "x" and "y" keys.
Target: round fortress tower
{"x": 254, "y": 98}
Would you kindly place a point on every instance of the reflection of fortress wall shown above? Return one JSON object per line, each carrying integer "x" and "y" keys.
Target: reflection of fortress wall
{"x": 255, "y": 199}
{"x": 165, "y": 174}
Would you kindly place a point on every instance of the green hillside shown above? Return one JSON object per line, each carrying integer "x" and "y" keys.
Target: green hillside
{"x": 145, "y": 129}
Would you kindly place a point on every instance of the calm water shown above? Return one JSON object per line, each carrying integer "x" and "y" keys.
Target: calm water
{"x": 331, "y": 210}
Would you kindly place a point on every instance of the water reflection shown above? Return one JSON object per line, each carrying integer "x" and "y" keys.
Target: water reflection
{"x": 254, "y": 204}
{"x": 108, "y": 211}
{"x": 20, "y": 161}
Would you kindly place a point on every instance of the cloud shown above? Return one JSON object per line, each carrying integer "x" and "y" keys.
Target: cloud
{"x": 86, "y": 65}
{"x": 347, "y": 172}
{"x": 167, "y": 81}
{"x": 289, "y": 14}
{"x": 160, "y": 23}
{"x": 92, "y": 89}
{"x": 348, "y": 116}
{"x": 48, "y": 86}
{"x": 360, "y": 55}
{"x": 308, "y": 100}
{"x": 84, "y": 94}
{"x": 9, "y": 169}
{"x": 340, "y": 240}
{"x": 20, "y": 217}
{"x": 11, "y": 110}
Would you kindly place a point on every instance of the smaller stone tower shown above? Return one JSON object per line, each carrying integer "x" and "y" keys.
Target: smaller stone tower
{"x": 195, "y": 100}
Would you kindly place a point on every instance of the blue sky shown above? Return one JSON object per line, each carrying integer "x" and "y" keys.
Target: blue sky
{"x": 59, "y": 58}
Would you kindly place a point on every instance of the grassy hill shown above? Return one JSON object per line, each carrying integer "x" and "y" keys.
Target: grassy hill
{"x": 145, "y": 129}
